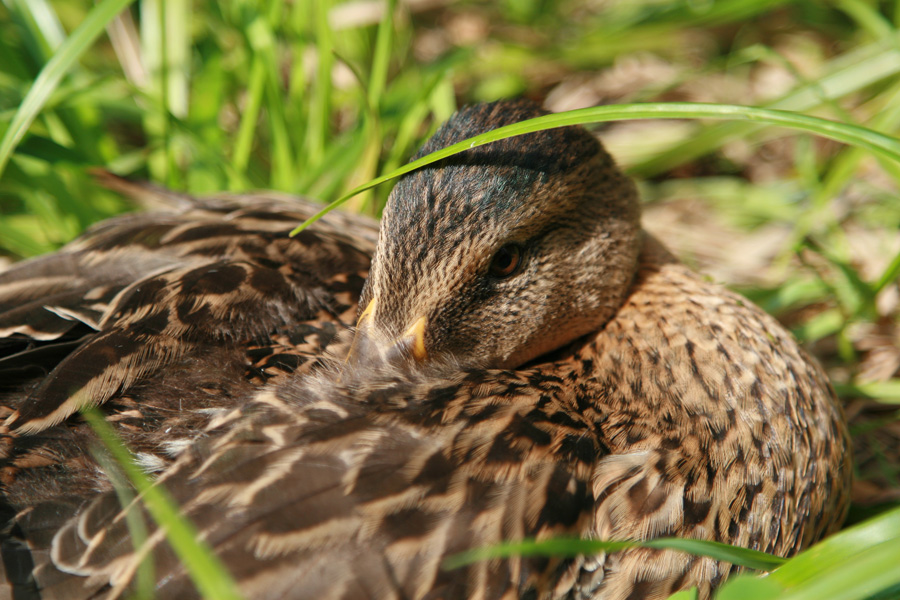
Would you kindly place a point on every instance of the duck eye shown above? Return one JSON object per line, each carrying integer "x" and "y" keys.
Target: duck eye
{"x": 506, "y": 261}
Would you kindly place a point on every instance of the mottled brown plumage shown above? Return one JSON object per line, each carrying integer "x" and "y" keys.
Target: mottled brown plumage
{"x": 165, "y": 319}
{"x": 653, "y": 403}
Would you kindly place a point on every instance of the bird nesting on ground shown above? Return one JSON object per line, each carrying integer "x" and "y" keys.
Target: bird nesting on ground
{"x": 527, "y": 363}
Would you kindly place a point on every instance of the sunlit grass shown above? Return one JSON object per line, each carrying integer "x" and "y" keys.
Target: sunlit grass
{"x": 204, "y": 567}
{"x": 861, "y": 137}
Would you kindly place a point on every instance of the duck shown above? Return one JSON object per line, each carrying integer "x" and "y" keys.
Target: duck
{"x": 509, "y": 356}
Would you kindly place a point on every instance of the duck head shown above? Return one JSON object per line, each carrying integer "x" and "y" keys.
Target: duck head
{"x": 505, "y": 252}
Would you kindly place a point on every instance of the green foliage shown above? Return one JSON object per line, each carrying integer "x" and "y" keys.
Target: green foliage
{"x": 855, "y": 564}
{"x": 751, "y": 559}
{"x": 239, "y": 97}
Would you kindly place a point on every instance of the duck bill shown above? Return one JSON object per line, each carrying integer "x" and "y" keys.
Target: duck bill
{"x": 370, "y": 348}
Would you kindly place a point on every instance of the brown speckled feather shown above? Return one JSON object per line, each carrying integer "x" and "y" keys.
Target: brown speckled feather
{"x": 359, "y": 489}
{"x": 659, "y": 404}
{"x": 189, "y": 312}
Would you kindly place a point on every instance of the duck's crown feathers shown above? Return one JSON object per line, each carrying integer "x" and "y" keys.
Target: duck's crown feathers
{"x": 550, "y": 151}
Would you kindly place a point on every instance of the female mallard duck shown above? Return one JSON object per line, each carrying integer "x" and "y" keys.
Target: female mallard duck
{"x": 527, "y": 363}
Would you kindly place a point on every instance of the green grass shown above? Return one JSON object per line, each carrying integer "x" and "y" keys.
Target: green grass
{"x": 885, "y": 145}
{"x": 204, "y": 567}
{"x": 854, "y": 564}
{"x": 296, "y": 96}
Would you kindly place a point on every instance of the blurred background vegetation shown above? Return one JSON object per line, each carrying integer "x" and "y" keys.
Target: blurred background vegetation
{"x": 314, "y": 97}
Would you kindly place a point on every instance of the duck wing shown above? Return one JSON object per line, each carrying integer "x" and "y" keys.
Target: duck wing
{"x": 164, "y": 319}
{"x": 357, "y": 489}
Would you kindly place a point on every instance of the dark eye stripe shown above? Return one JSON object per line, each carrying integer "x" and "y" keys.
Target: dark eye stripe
{"x": 506, "y": 261}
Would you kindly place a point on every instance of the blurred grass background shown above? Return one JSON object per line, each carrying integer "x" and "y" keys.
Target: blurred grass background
{"x": 314, "y": 97}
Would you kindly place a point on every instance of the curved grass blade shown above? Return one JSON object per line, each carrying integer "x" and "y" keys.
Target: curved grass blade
{"x": 144, "y": 580}
{"x": 52, "y": 73}
{"x": 872, "y": 571}
{"x": 855, "y": 564}
{"x": 834, "y": 552}
{"x": 849, "y": 134}
{"x": 752, "y": 559}
{"x": 841, "y": 77}
{"x": 206, "y": 570}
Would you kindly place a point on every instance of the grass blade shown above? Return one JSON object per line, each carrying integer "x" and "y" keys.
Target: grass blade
{"x": 52, "y": 73}
{"x": 872, "y": 570}
{"x": 752, "y": 559}
{"x": 886, "y": 392}
{"x": 891, "y": 273}
{"x": 145, "y": 580}
{"x": 249, "y": 117}
{"x": 204, "y": 567}
{"x": 320, "y": 107}
{"x": 836, "y": 551}
{"x": 849, "y": 73}
{"x": 41, "y": 28}
{"x": 849, "y": 134}
{"x": 382, "y": 56}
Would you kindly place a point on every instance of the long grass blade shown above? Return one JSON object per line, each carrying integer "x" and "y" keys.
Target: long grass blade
{"x": 145, "y": 580}
{"x": 249, "y": 116}
{"x": 840, "y": 548}
{"x": 849, "y": 134}
{"x": 320, "y": 109}
{"x": 42, "y": 30}
{"x": 752, "y": 559}
{"x": 871, "y": 571}
{"x": 848, "y": 74}
{"x": 204, "y": 567}
{"x": 382, "y": 55}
